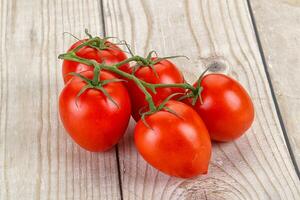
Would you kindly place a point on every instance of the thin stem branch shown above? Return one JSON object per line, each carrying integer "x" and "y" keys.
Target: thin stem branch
{"x": 134, "y": 58}
{"x": 139, "y": 83}
{"x": 86, "y": 43}
{"x": 73, "y": 57}
{"x": 95, "y": 81}
{"x": 175, "y": 85}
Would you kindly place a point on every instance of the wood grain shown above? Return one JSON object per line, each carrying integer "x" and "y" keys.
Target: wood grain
{"x": 37, "y": 158}
{"x": 279, "y": 30}
{"x": 219, "y": 33}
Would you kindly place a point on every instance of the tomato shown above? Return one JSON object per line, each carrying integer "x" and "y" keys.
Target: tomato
{"x": 178, "y": 145}
{"x": 167, "y": 73}
{"x": 113, "y": 54}
{"x": 227, "y": 109}
{"x": 95, "y": 123}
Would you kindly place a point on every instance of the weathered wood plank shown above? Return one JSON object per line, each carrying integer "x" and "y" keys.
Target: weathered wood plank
{"x": 37, "y": 158}
{"x": 279, "y": 30}
{"x": 257, "y": 166}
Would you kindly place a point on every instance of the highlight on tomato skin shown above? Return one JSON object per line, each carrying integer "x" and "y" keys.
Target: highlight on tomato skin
{"x": 227, "y": 109}
{"x": 178, "y": 145}
{"x": 92, "y": 120}
{"x": 111, "y": 55}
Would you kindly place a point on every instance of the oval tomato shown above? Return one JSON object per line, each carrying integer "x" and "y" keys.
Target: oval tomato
{"x": 178, "y": 145}
{"x": 227, "y": 109}
{"x": 167, "y": 73}
{"x": 113, "y": 54}
{"x": 95, "y": 123}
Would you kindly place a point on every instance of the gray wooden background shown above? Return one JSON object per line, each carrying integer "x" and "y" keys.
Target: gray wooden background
{"x": 256, "y": 41}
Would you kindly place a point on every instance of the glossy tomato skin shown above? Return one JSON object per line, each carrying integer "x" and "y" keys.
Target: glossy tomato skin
{"x": 176, "y": 145}
{"x": 227, "y": 109}
{"x": 96, "y": 124}
{"x": 113, "y": 54}
{"x": 167, "y": 73}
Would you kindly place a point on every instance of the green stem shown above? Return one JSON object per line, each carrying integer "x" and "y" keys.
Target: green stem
{"x": 139, "y": 83}
{"x": 134, "y": 58}
{"x": 175, "y": 85}
{"x": 86, "y": 43}
{"x": 73, "y": 57}
{"x": 95, "y": 81}
{"x": 114, "y": 68}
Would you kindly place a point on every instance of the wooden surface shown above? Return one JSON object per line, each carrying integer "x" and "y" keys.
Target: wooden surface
{"x": 37, "y": 158}
{"x": 39, "y": 161}
{"x": 279, "y": 30}
{"x": 256, "y": 166}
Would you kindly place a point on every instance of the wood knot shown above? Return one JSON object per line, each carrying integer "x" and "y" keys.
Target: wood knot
{"x": 217, "y": 66}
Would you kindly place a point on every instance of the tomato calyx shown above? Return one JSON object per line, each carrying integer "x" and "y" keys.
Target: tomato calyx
{"x": 98, "y": 43}
{"x": 95, "y": 42}
{"x": 161, "y": 106}
{"x": 95, "y": 83}
{"x": 151, "y": 60}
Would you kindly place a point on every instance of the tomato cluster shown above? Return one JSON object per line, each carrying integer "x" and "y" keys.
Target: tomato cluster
{"x": 175, "y": 121}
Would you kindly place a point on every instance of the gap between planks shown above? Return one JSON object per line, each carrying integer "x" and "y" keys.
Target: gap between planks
{"x": 262, "y": 54}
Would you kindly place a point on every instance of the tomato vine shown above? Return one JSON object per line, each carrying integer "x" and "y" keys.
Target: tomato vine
{"x": 98, "y": 43}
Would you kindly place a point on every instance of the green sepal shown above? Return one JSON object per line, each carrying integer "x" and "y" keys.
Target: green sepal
{"x": 114, "y": 80}
{"x": 172, "y": 112}
{"x": 163, "y": 103}
{"x": 82, "y": 90}
{"x": 185, "y": 96}
{"x": 160, "y": 107}
{"x": 135, "y": 68}
{"x": 85, "y": 79}
{"x": 71, "y": 35}
{"x": 152, "y": 88}
{"x": 169, "y": 57}
{"x": 149, "y": 56}
{"x": 151, "y": 65}
{"x": 106, "y": 94}
{"x": 128, "y": 48}
{"x": 144, "y": 119}
{"x": 86, "y": 31}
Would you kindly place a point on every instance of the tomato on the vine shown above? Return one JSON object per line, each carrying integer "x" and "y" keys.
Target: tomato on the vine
{"x": 177, "y": 142}
{"x": 110, "y": 55}
{"x": 227, "y": 109}
{"x": 92, "y": 119}
{"x": 163, "y": 72}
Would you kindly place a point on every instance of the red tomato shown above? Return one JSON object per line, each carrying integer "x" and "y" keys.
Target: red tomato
{"x": 111, "y": 55}
{"x": 227, "y": 109}
{"x": 176, "y": 145}
{"x": 95, "y": 123}
{"x": 167, "y": 73}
